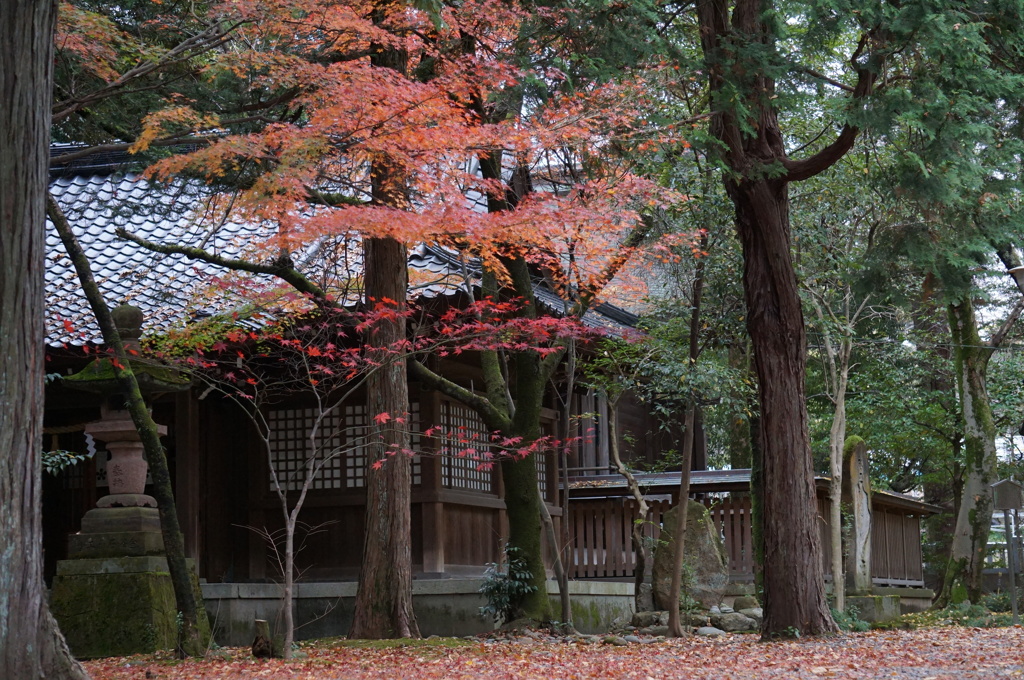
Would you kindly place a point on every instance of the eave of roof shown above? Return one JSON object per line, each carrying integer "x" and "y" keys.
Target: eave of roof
{"x": 711, "y": 481}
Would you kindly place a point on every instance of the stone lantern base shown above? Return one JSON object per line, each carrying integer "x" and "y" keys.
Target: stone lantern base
{"x": 114, "y": 596}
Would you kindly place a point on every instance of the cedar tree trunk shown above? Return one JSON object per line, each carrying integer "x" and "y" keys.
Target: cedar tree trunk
{"x": 757, "y": 180}
{"x": 30, "y": 643}
{"x": 794, "y": 587}
{"x": 383, "y": 606}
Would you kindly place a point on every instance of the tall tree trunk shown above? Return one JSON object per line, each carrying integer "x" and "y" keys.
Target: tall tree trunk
{"x": 970, "y": 537}
{"x": 30, "y": 643}
{"x": 757, "y": 180}
{"x": 383, "y": 606}
{"x": 675, "y": 627}
{"x": 794, "y": 586}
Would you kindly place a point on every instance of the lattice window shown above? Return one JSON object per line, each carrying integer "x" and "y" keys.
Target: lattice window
{"x": 341, "y": 444}
{"x": 542, "y": 472}
{"x": 463, "y": 429}
{"x": 357, "y": 430}
{"x": 291, "y": 448}
{"x": 415, "y": 442}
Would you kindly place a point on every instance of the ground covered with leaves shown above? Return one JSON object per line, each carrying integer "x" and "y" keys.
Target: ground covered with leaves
{"x": 925, "y": 654}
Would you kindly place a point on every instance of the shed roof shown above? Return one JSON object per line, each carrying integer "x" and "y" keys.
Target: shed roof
{"x": 711, "y": 481}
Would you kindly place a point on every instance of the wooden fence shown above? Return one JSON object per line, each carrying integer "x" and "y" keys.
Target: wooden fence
{"x": 600, "y": 531}
{"x": 602, "y": 546}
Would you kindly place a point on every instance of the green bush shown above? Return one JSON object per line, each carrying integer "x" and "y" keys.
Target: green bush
{"x": 505, "y": 589}
{"x": 1000, "y": 601}
{"x": 849, "y": 620}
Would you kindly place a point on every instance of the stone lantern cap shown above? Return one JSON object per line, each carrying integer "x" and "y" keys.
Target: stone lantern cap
{"x": 100, "y": 376}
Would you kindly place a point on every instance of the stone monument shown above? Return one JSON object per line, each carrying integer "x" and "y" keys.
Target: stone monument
{"x": 706, "y": 571}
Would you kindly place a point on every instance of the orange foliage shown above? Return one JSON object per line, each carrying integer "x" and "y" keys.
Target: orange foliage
{"x": 346, "y": 115}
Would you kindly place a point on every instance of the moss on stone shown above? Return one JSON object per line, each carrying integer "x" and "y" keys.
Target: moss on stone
{"x": 852, "y": 442}
{"x": 100, "y": 376}
{"x": 115, "y": 614}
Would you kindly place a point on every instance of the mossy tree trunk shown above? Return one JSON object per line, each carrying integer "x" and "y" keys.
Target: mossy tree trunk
{"x": 522, "y": 491}
{"x": 194, "y": 631}
{"x": 31, "y": 645}
{"x": 974, "y": 517}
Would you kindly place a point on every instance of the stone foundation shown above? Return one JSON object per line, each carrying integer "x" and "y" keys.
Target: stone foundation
{"x": 446, "y": 607}
{"x": 114, "y": 606}
{"x": 875, "y": 608}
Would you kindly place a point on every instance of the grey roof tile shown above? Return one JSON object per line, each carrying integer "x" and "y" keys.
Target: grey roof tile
{"x": 171, "y": 288}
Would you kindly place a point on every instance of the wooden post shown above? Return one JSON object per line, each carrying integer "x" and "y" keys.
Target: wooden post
{"x": 262, "y": 647}
{"x": 433, "y": 509}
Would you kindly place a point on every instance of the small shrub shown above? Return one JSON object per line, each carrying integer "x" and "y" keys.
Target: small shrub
{"x": 505, "y": 589}
{"x": 850, "y": 620}
{"x": 1000, "y": 601}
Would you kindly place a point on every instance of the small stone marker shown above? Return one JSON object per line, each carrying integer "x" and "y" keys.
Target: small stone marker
{"x": 857, "y": 494}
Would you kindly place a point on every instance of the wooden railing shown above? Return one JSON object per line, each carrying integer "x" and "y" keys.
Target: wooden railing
{"x": 602, "y": 548}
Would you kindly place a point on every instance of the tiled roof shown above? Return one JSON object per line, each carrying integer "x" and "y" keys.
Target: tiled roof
{"x": 168, "y": 288}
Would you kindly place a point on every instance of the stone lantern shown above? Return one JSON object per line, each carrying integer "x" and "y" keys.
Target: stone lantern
{"x": 113, "y": 595}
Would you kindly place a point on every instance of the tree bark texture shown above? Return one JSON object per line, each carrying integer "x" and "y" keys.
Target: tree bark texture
{"x": 383, "y": 606}
{"x": 757, "y": 183}
{"x": 794, "y": 587}
{"x": 970, "y": 537}
{"x": 30, "y": 643}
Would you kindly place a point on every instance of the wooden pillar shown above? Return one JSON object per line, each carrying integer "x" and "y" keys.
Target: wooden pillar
{"x": 432, "y": 484}
{"x": 188, "y": 477}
